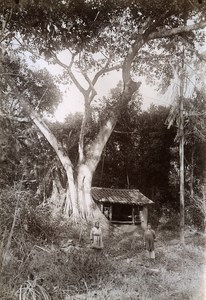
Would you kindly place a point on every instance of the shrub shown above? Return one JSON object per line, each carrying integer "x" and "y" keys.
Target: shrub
{"x": 74, "y": 271}
{"x": 172, "y": 224}
{"x": 34, "y": 258}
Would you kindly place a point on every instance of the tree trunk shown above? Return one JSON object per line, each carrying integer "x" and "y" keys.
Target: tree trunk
{"x": 181, "y": 157}
{"x": 84, "y": 183}
{"x": 88, "y": 209}
{"x": 57, "y": 199}
{"x": 71, "y": 204}
{"x": 182, "y": 204}
{"x": 192, "y": 174}
{"x": 87, "y": 166}
{"x": 204, "y": 186}
{"x": 71, "y": 195}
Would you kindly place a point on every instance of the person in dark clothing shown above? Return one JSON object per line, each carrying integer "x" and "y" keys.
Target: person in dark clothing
{"x": 149, "y": 239}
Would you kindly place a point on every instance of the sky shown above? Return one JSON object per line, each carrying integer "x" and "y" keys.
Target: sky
{"x": 73, "y": 99}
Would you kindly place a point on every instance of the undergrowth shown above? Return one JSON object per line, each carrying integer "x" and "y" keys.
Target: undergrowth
{"x": 34, "y": 264}
{"x": 37, "y": 266}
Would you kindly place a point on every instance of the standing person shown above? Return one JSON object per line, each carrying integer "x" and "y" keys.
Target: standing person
{"x": 149, "y": 239}
{"x": 96, "y": 237}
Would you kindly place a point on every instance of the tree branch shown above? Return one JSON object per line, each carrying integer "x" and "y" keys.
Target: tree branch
{"x": 37, "y": 120}
{"x": 99, "y": 74}
{"x": 142, "y": 39}
{"x": 201, "y": 56}
{"x": 91, "y": 85}
{"x": 163, "y": 33}
{"x": 73, "y": 78}
{"x": 88, "y": 100}
{"x": 105, "y": 70}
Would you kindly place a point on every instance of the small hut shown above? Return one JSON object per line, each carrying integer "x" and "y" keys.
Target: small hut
{"x": 122, "y": 206}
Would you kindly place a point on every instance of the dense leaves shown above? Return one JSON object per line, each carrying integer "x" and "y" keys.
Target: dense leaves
{"x": 18, "y": 134}
{"x": 37, "y": 87}
{"x": 103, "y": 27}
{"x": 138, "y": 154}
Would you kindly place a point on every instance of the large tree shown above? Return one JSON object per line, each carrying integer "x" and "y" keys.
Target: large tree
{"x": 101, "y": 36}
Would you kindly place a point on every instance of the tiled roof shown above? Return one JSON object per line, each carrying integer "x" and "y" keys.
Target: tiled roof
{"x": 124, "y": 196}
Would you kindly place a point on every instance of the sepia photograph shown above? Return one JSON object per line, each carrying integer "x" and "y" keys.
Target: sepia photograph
{"x": 102, "y": 150}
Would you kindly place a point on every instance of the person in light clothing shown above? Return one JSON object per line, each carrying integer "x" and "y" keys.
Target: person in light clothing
{"x": 149, "y": 239}
{"x": 96, "y": 237}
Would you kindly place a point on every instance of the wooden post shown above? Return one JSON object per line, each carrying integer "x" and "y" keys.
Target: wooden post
{"x": 102, "y": 207}
{"x": 110, "y": 212}
{"x": 133, "y": 215}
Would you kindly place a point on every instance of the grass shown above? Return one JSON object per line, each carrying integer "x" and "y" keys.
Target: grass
{"x": 179, "y": 273}
{"x": 119, "y": 272}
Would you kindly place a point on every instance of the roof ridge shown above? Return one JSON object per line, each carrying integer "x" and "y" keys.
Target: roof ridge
{"x": 106, "y": 188}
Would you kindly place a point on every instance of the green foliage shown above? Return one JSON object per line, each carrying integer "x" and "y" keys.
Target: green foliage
{"x": 19, "y": 135}
{"x": 138, "y": 154}
{"x": 88, "y": 28}
{"x": 79, "y": 22}
{"x": 195, "y": 211}
{"x": 74, "y": 271}
{"x": 173, "y": 222}
{"x": 37, "y": 87}
{"x": 9, "y": 202}
{"x": 18, "y": 162}
{"x": 36, "y": 263}
{"x": 62, "y": 24}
